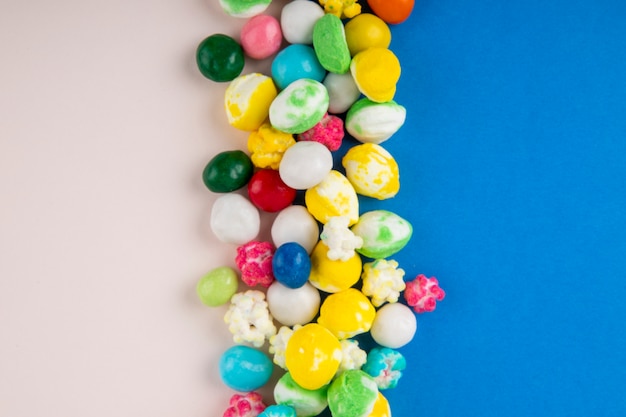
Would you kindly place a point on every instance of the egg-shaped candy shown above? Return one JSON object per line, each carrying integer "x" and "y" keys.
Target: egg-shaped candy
{"x": 305, "y": 164}
{"x": 296, "y": 62}
{"x": 295, "y": 224}
{"x": 376, "y": 72}
{"x": 371, "y": 122}
{"x": 234, "y": 219}
{"x": 372, "y": 171}
{"x": 247, "y": 100}
{"x": 333, "y": 276}
{"x": 291, "y": 265}
{"x": 352, "y": 394}
{"x": 244, "y": 8}
{"x": 245, "y": 369}
{"x": 297, "y": 20}
{"x": 342, "y": 92}
{"x": 365, "y": 31}
{"x": 347, "y": 313}
{"x": 291, "y": 306}
{"x": 383, "y": 232}
{"x": 299, "y": 107}
{"x": 217, "y": 286}
{"x": 227, "y": 171}
{"x": 331, "y": 197}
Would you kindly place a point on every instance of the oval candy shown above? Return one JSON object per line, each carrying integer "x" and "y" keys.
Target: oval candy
{"x": 247, "y": 100}
{"x": 383, "y": 232}
{"x": 371, "y": 122}
{"x": 331, "y": 47}
{"x": 372, "y": 171}
{"x": 245, "y": 369}
{"x": 299, "y": 107}
{"x": 331, "y": 197}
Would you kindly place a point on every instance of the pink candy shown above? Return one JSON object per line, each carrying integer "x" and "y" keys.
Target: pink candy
{"x": 261, "y": 36}
{"x": 423, "y": 293}
{"x": 329, "y": 132}
{"x": 254, "y": 260}
{"x": 249, "y": 405}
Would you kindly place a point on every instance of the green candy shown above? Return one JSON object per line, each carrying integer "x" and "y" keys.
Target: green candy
{"x": 217, "y": 286}
{"x": 352, "y": 394}
{"x": 244, "y": 8}
{"x": 329, "y": 42}
{"x": 299, "y": 107}
{"x": 307, "y": 403}
{"x": 220, "y": 58}
{"x": 383, "y": 232}
{"x": 228, "y": 171}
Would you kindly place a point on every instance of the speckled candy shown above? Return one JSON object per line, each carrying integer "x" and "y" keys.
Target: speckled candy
{"x": 371, "y": 122}
{"x": 305, "y": 165}
{"x": 261, "y": 36}
{"x": 352, "y": 394}
{"x": 245, "y": 369}
{"x": 383, "y": 232}
{"x": 299, "y": 107}
{"x": 291, "y": 265}
{"x": 376, "y": 72}
{"x": 347, "y": 313}
{"x": 329, "y": 41}
{"x": 372, "y": 171}
{"x": 296, "y": 62}
{"x": 365, "y": 31}
{"x": 333, "y": 276}
{"x": 234, "y": 219}
{"x": 244, "y": 8}
{"x": 331, "y": 197}
{"x": 307, "y": 403}
{"x": 247, "y": 100}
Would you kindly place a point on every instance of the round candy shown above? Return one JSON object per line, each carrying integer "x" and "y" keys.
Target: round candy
{"x": 245, "y": 369}
{"x": 261, "y": 36}
{"x": 371, "y": 122}
{"x": 299, "y": 107}
{"x": 329, "y": 40}
{"x": 392, "y": 11}
{"x": 268, "y": 192}
{"x": 381, "y": 407}
{"x": 244, "y": 8}
{"x": 333, "y": 276}
{"x": 347, "y": 313}
{"x": 342, "y": 92}
{"x": 278, "y": 411}
{"x": 247, "y": 100}
{"x": 352, "y": 394}
{"x": 383, "y": 232}
{"x": 312, "y": 356}
{"x": 394, "y": 326}
{"x": 333, "y": 196}
{"x": 372, "y": 171}
{"x": 376, "y": 72}
{"x": 291, "y": 306}
{"x": 227, "y": 171}
{"x": 234, "y": 219}
{"x": 297, "y": 20}
{"x": 365, "y": 31}
{"x": 217, "y": 286}
{"x": 291, "y": 265}
{"x": 295, "y": 224}
{"x": 296, "y": 62}
{"x": 305, "y": 164}
{"x": 307, "y": 403}
{"x": 220, "y": 58}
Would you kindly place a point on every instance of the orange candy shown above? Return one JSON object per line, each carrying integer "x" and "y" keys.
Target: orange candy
{"x": 392, "y": 11}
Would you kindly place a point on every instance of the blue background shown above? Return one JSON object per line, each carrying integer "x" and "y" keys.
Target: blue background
{"x": 513, "y": 174}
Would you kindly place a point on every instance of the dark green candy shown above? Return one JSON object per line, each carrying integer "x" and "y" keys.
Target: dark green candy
{"x": 220, "y": 58}
{"x": 227, "y": 171}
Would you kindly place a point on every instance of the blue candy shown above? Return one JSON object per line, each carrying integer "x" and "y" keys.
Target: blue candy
{"x": 278, "y": 411}
{"x": 296, "y": 62}
{"x": 245, "y": 369}
{"x": 291, "y": 265}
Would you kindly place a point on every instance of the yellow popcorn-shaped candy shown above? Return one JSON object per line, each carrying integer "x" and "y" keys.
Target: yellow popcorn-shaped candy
{"x": 267, "y": 146}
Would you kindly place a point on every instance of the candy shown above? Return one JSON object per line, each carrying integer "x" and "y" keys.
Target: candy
{"x": 278, "y": 344}
{"x": 339, "y": 238}
{"x": 278, "y": 411}
{"x": 382, "y": 281}
{"x": 381, "y": 407}
{"x": 297, "y": 20}
{"x": 307, "y": 403}
{"x": 352, "y": 356}
{"x": 291, "y": 265}
{"x": 295, "y": 224}
{"x": 329, "y": 41}
{"x": 244, "y": 369}
{"x": 299, "y": 106}
{"x": 312, "y": 356}
{"x": 248, "y": 405}
{"x": 261, "y": 36}
{"x": 244, "y": 8}
{"x": 365, "y": 31}
{"x": 329, "y": 132}
{"x": 352, "y": 394}
{"x": 371, "y": 122}
{"x": 291, "y": 306}
{"x": 305, "y": 164}
{"x": 347, "y": 313}
{"x": 376, "y": 72}
{"x": 383, "y": 232}
{"x": 248, "y": 318}
{"x": 217, "y": 286}
{"x": 268, "y": 192}
{"x": 247, "y": 100}
{"x": 341, "y": 8}
{"x": 267, "y": 146}
{"x": 394, "y": 326}
{"x": 342, "y": 92}
{"x": 333, "y": 276}
{"x": 234, "y": 219}
{"x": 372, "y": 171}
{"x": 423, "y": 293}
{"x": 296, "y": 62}
{"x": 385, "y": 366}
{"x": 254, "y": 260}
{"x": 227, "y": 171}
{"x": 392, "y": 11}
{"x": 333, "y": 196}
{"x": 220, "y": 58}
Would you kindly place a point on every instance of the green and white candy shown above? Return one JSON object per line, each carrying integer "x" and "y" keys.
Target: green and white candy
{"x": 300, "y": 106}
{"x": 352, "y": 394}
{"x": 244, "y": 8}
{"x": 307, "y": 403}
{"x": 384, "y": 233}
{"x": 371, "y": 122}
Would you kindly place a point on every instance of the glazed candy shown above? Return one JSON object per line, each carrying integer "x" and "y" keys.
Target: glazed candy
{"x": 307, "y": 403}
{"x": 290, "y": 306}
{"x": 352, "y": 394}
{"x": 296, "y": 62}
{"x": 342, "y": 92}
{"x": 278, "y": 411}
{"x": 371, "y": 122}
{"x": 339, "y": 238}
{"x": 261, "y": 36}
{"x": 268, "y": 192}
{"x": 333, "y": 196}
{"x": 248, "y": 405}
{"x": 329, "y": 41}
{"x": 392, "y": 11}
{"x": 394, "y": 326}
{"x": 333, "y": 276}
{"x": 347, "y": 313}
{"x": 245, "y": 369}
{"x": 376, "y": 72}
{"x": 217, "y": 286}
{"x": 297, "y": 20}
{"x": 234, "y": 219}
{"x": 372, "y": 171}
{"x": 383, "y": 232}
{"x": 299, "y": 107}
{"x": 382, "y": 281}
{"x": 227, "y": 171}
{"x": 381, "y": 407}
{"x": 352, "y": 356}
{"x": 295, "y": 224}
{"x": 267, "y": 146}
{"x": 220, "y": 58}
{"x": 385, "y": 366}
{"x": 365, "y": 31}
{"x": 329, "y": 132}
{"x": 244, "y": 8}
{"x": 305, "y": 165}
{"x": 254, "y": 260}
{"x": 291, "y": 265}
{"x": 248, "y": 318}
{"x": 247, "y": 100}
{"x": 423, "y": 293}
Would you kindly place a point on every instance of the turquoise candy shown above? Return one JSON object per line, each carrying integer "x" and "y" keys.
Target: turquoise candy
{"x": 220, "y": 58}
{"x": 296, "y": 62}
{"x": 329, "y": 41}
{"x": 227, "y": 171}
{"x": 300, "y": 106}
{"x": 278, "y": 411}
{"x": 245, "y": 369}
{"x": 385, "y": 365}
{"x": 352, "y": 394}
{"x": 383, "y": 232}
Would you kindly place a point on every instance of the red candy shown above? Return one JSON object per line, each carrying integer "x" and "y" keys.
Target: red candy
{"x": 249, "y": 405}
{"x": 268, "y": 192}
{"x": 423, "y": 293}
{"x": 254, "y": 260}
{"x": 329, "y": 132}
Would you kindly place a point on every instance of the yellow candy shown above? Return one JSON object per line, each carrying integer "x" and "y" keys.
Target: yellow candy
{"x": 333, "y": 276}
{"x": 381, "y": 407}
{"x": 312, "y": 356}
{"x": 341, "y": 8}
{"x": 372, "y": 171}
{"x": 365, "y": 31}
{"x": 334, "y": 196}
{"x": 376, "y": 72}
{"x": 347, "y": 313}
{"x": 267, "y": 146}
{"x": 247, "y": 100}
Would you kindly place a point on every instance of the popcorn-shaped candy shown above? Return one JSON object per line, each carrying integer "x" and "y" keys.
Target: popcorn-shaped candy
{"x": 394, "y": 326}
{"x": 341, "y": 8}
{"x": 254, "y": 260}
{"x": 333, "y": 276}
{"x": 297, "y": 20}
{"x": 381, "y": 407}
{"x": 312, "y": 356}
{"x": 372, "y": 171}
{"x": 248, "y": 405}
{"x": 247, "y": 100}
{"x": 278, "y": 411}
{"x": 307, "y": 403}
{"x": 248, "y": 318}
{"x": 423, "y": 293}
{"x": 299, "y": 106}
{"x": 295, "y": 224}
{"x": 329, "y": 132}
{"x": 371, "y": 122}
{"x": 291, "y": 265}
{"x": 267, "y": 146}
{"x": 353, "y": 357}
{"x": 385, "y": 366}
{"x": 383, "y": 232}
{"x": 234, "y": 219}
{"x": 352, "y": 394}
{"x": 305, "y": 165}
{"x": 347, "y": 313}
{"x": 382, "y": 281}
{"x": 278, "y": 344}
{"x": 329, "y": 41}
{"x": 365, "y": 31}
{"x": 244, "y": 8}
{"x": 333, "y": 196}
{"x": 245, "y": 369}
{"x": 376, "y": 71}
{"x": 342, "y": 92}
{"x": 339, "y": 238}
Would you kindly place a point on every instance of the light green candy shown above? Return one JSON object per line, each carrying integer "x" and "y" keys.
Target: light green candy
{"x": 383, "y": 232}
{"x": 329, "y": 42}
{"x": 307, "y": 403}
{"x": 300, "y": 106}
{"x": 352, "y": 394}
{"x": 371, "y": 122}
{"x": 217, "y": 286}
{"x": 244, "y": 8}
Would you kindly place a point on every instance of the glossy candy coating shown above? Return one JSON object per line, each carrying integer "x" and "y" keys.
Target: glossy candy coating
{"x": 307, "y": 403}
{"x": 244, "y": 8}
{"x": 296, "y": 62}
{"x": 217, "y": 286}
{"x": 392, "y": 11}
{"x": 333, "y": 276}
{"x": 245, "y": 369}
{"x": 394, "y": 326}
{"x": 376, "y": 72}
{"x": 381, "y": 407}
{"x": 297, "y": 20}
{"x": 268, "y": 192}
{"x": 305, "y": 165}
{"x": 227, "y": 171}
{"x": 295, "y": 224}
{"x": 372, "y": 171}
{"x": 342, "y": 92}
{"x": 220, "y": 58}
{"x": 365, "y": 31}
{"x": 261, "y": 36}
{"x": 234, "y": 219}
{"x": 299, "y": 107}
{"x": 333, "y": 196}
{"x": 291, "y": 265}
{"x": 383, "y": 232}
{"x": 247, "y": 100}
{"x": 278, "y": 411}
{"x": 371, "y": 122}
{"x": 352, "y": 394}
{"x": 347, "y": 313}
{"x": 329, "y": 41}
{"x": 291, "y": 306}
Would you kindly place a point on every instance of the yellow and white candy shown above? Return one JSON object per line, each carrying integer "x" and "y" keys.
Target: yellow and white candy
{"x": 372, "y": 171}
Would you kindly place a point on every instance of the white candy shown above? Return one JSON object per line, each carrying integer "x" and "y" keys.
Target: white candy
{"x": 293, "y": 306}
{"x": 234, "y": 219}
{"x": 339, "y": 238}
{"x": 342, "y": 92}
{"x": 305, "y": 164}
{"x": 352, "y": 356}
{"x": 394, "y": 326}
{"x": 295, "y": 224}
{"x": 248, "y": 318}
{"x": 297, "y": 20}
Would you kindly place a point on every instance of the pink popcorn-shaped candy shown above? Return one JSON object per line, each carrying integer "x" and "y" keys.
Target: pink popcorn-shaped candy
{"x": 249, "y": 405}
{"x": 423, "y": 293}
{"x": 254, "y": 260}
{"x": 329, "y": 132}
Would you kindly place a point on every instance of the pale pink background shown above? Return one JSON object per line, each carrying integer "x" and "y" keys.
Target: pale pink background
{"x": 105, "y": 127}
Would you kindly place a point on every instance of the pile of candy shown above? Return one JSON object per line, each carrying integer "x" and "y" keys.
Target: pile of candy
{"x": 327, "y": 275}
